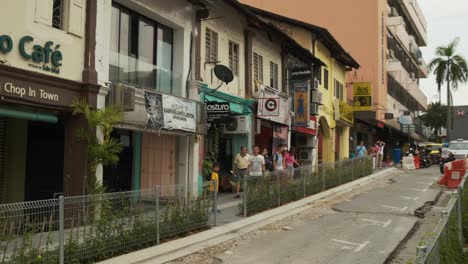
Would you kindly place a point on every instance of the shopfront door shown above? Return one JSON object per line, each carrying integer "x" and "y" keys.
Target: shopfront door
{"x": 44, "y": 162}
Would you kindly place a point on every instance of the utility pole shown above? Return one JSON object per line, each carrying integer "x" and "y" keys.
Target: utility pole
{"x": 448, "y": 101}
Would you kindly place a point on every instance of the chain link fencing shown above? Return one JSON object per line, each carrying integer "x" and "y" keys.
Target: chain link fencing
{"x": 444, "y": 245}
{"x": 282, "y": 187}
{"x": 86, "y": 229}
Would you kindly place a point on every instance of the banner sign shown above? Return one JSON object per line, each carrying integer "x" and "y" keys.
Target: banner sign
{"x": 343, "y": 112}
{"x": 273, "y": 106}
{"x": 362, "y": 94}
{"x": 301, "y": 104}
{"x": 170, "y": 112}
{"x": 217, "y": 111}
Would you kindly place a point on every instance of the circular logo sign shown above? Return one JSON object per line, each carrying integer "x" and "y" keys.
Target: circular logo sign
{"x": 271, "y": 104}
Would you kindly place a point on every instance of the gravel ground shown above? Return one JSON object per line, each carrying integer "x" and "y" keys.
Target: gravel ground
{"x": 324, "y": 207}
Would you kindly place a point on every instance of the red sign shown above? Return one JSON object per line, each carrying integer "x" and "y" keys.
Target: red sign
{"x": 460, "y": 113}
{"x": 311, "y": 129}
{"x": 380, "y": 125}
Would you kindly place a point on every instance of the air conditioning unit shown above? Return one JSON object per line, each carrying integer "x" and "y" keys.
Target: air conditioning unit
{"x": 123, "y": 95}
{"x": 413, "y": 76}
{"x": 317, "y": 97}
{"x": 391, "y": 54}
{"x": 316, "y": 84}
{"x": 237, "y": 125}
{"x": 314, "y": 109}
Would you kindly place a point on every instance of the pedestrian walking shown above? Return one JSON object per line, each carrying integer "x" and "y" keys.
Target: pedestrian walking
{"x": 256, "y": 163}
{"x": 240, "y": 165}
{"x": 268, "y": 160}
{"x": 381, "y": 155}
{"x": 361, "y": 150}
{"x": 279, "y": 164}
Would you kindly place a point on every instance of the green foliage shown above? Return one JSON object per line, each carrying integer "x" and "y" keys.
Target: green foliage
{"x": 104, "y": 150}
{"x": 435, "y": 117}
{"x": 123, "y": 225}
{"x": 208, "y": 163}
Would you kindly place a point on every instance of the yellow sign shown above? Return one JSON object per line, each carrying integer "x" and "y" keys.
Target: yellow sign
{"x": 362, "y": 94}
{"x": 344, "y": 112}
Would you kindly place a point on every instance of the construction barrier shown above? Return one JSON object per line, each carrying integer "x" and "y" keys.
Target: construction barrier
{"x": 417, "y": 162}
{"x": 453, "y": 173}
{"x": 408, "y": 162}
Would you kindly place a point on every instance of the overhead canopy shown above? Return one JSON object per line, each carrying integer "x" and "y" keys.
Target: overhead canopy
{"x": 239, "y": 106}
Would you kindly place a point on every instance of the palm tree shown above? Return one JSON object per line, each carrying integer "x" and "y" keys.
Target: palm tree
{"x": 451, "y": 68}
{"x": 103, "y": 150}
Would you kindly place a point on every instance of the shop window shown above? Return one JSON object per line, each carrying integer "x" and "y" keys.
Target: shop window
{"x": 57, "y": 14}
{"x": 339, "y": 90}
{"x": 141, "y": 52}
{"x": 318, "y": 74}
{"x": 234, "y": 57}
{"x": 325, "y": 79}
{"x": 273, "y": 75}
{"x": 211, "y": 44}
{"x": 258, "y": 68}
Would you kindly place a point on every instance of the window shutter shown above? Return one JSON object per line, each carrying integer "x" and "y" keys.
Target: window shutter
{"x": 76, "y": 17}
{"x": 44, "y": 12}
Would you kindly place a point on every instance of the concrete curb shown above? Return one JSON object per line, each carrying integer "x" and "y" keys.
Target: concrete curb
{"x": 191, "y": 244}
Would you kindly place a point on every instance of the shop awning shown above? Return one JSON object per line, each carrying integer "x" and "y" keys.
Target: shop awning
{"x": 41, "y": 117}
{"x": 239, "y": 106}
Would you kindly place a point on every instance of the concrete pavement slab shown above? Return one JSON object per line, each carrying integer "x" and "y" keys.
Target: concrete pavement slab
{"x": 336, "y": 238}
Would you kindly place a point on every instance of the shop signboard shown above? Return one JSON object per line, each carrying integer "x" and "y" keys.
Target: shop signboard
{"x": 301, "y": 104}
{"x": 170, "y": 112}
{"x": 217, "y": 111}
{"x": 362, "y": 94}
{"x": 343, "y": 112}
{"x": 273, "y": 106}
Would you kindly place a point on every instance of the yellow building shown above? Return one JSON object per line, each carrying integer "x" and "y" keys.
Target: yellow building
{"x": 334, "y": 114}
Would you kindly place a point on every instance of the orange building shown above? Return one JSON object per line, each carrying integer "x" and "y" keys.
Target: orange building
{"x": 384, "y": 36}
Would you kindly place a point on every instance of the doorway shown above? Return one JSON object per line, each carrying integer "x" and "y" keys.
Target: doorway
{"x": 44, "y": 163}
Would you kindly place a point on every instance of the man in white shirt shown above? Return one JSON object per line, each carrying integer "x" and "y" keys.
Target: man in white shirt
{"x": 256, "y": 163}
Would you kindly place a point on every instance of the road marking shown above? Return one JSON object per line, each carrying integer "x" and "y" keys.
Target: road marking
{"x": 425, "y": 183}
{"x": 419, "y": 190}
{"x": 410, "y": 198}
{"x": 357, "y": 247}
{"x": 396, "y": 208}
{"x": 348, "y": 200}
{"x": 374, "y": 222}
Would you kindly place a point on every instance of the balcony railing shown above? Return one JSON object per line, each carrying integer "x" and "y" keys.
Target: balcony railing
{"x": 417, "y": 17}
{"x": 408, "y": 94}
{"x": 126, "y": 69}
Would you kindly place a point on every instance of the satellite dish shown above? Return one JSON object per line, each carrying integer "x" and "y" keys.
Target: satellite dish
{"x": 223, "y": 73}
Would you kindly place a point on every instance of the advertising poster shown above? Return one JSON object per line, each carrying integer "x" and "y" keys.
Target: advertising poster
{"x": 179, "y": 113}
{"x": 301, "y": 104}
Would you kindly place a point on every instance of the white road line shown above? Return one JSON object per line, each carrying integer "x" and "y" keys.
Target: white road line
{"x": 419, "y": 190}
{"x": 358, "y": 247}
{"x": 374, "y": 222}
{"x": 395, "y": 208}
{"x": 227, "y": 205}
{"x": 410, "y": 198}
{"x": 425, "y": 183}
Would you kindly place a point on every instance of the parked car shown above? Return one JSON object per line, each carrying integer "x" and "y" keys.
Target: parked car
{"x": 459, "y": 148}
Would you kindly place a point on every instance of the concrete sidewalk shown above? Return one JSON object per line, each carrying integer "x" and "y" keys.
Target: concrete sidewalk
{"x": 188, "y": 245}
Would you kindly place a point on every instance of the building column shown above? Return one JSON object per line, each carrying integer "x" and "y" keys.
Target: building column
{"x": 75, "y": 165}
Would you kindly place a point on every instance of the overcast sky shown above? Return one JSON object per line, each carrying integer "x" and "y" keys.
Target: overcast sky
{"x": 446, "y": 20}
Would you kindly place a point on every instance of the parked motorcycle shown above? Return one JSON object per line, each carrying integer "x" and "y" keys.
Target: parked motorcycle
{"x": 425, "y": 161}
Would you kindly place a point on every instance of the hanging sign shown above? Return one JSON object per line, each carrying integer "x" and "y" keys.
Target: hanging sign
{"x": 217, "y": 111}
{"x": 170, "y": 112}
{"x": 179, "y": 113}
{"x": 273, "y": 106}
{"x": 362, "y": 93}
{"x": 301, "y": 104}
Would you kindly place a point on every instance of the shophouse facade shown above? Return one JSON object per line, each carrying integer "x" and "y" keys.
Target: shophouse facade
{"x": 144, "y": 54}
{"x": 331, "y": 115}
{"x": 44, "y": 67}
{"x": 385, "y": 38}
{"x": 261, "y": 58}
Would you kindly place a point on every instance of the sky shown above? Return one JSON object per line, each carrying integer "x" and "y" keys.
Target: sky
{"x": 446, "y": 20}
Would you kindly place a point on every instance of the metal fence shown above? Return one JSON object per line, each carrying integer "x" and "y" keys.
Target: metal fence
{"x": 445, "y": 244}
{"x": 279, "y": 188}
{"x": 85, "y": 229}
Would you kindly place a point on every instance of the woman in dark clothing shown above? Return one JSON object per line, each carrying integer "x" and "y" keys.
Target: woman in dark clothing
{"x": 268, "y": 160}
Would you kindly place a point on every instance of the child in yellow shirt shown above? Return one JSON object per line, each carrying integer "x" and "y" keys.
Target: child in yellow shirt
{"x": 215, "y": 176}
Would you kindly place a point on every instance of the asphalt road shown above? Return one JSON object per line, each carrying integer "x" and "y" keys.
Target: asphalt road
{"x": 363, "y": 230}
